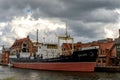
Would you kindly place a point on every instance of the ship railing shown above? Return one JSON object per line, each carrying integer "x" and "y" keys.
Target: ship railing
{"x": 67, "y": 51}
{"x": 91, "y": 47}
{"x": 24, "y": 60}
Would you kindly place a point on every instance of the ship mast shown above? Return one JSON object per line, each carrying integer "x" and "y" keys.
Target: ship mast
{"x": 66, "y": 37}
{"x": 37, "y": 38}
{"x": 66, "y": 31}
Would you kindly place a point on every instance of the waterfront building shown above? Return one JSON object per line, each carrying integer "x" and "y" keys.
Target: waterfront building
{"x": 66, "y": 49}
{"x": 23, "y": 47}
{"x": 5, "y": 55}
{"x": 117, "y": 45}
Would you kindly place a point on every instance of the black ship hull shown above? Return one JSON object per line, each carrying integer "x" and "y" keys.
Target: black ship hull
{"x": 89, "y": 55}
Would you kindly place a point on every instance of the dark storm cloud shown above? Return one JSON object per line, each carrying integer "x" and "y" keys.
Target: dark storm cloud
{"x": 80, "y": 9}
{"x": 84, "y": 17}
{"x": 88, "y": 30}
{"x": 64, "y": 9}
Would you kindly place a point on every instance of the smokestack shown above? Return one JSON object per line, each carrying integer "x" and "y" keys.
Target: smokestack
{"x": 28, "y": 36}
{"x": 37, "y": 36}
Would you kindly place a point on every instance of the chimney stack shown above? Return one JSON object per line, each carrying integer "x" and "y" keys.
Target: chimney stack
{"x": 37, "y": 36}
{"x": 28, "y": 36}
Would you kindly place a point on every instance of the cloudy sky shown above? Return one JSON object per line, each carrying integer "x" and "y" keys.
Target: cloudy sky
{"x": 87, "y": 20}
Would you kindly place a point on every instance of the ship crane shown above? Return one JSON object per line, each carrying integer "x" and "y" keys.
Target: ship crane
{"x": 65, "y": 37}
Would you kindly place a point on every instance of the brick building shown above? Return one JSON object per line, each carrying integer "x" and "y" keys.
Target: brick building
{"x": 116, "y": 45}
{"x": 23, "y": 46}
{"x": 104, "y": 57}
{"x": 66, "y": 48}
{"x": 5, "y": 55}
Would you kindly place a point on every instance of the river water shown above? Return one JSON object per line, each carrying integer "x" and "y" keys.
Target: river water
{"x": 7, "y": 73}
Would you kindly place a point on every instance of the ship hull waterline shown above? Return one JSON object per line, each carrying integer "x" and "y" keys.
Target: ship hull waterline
{"x": 58, "y": 66}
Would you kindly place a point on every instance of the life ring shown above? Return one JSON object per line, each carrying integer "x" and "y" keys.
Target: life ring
{"x": 91, "y": 54}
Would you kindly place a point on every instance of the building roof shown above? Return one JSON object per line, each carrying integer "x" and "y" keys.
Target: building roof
{"x": 67, "y": 45}
{"x": 104, "y": 45}
{"x": 18, "y": 43}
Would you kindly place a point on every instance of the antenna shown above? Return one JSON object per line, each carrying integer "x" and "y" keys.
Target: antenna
{"x": 67, "y": 31}
{"x": 37, "y": 37}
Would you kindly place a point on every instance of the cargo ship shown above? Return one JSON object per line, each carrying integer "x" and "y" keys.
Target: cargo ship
{"x": 81, "y": 60}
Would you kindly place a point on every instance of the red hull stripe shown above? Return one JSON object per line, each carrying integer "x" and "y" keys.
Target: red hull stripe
{"x": 58, "y": 66}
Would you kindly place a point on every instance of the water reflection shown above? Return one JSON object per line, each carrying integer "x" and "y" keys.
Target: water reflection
{"x": 25, "y": 74}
